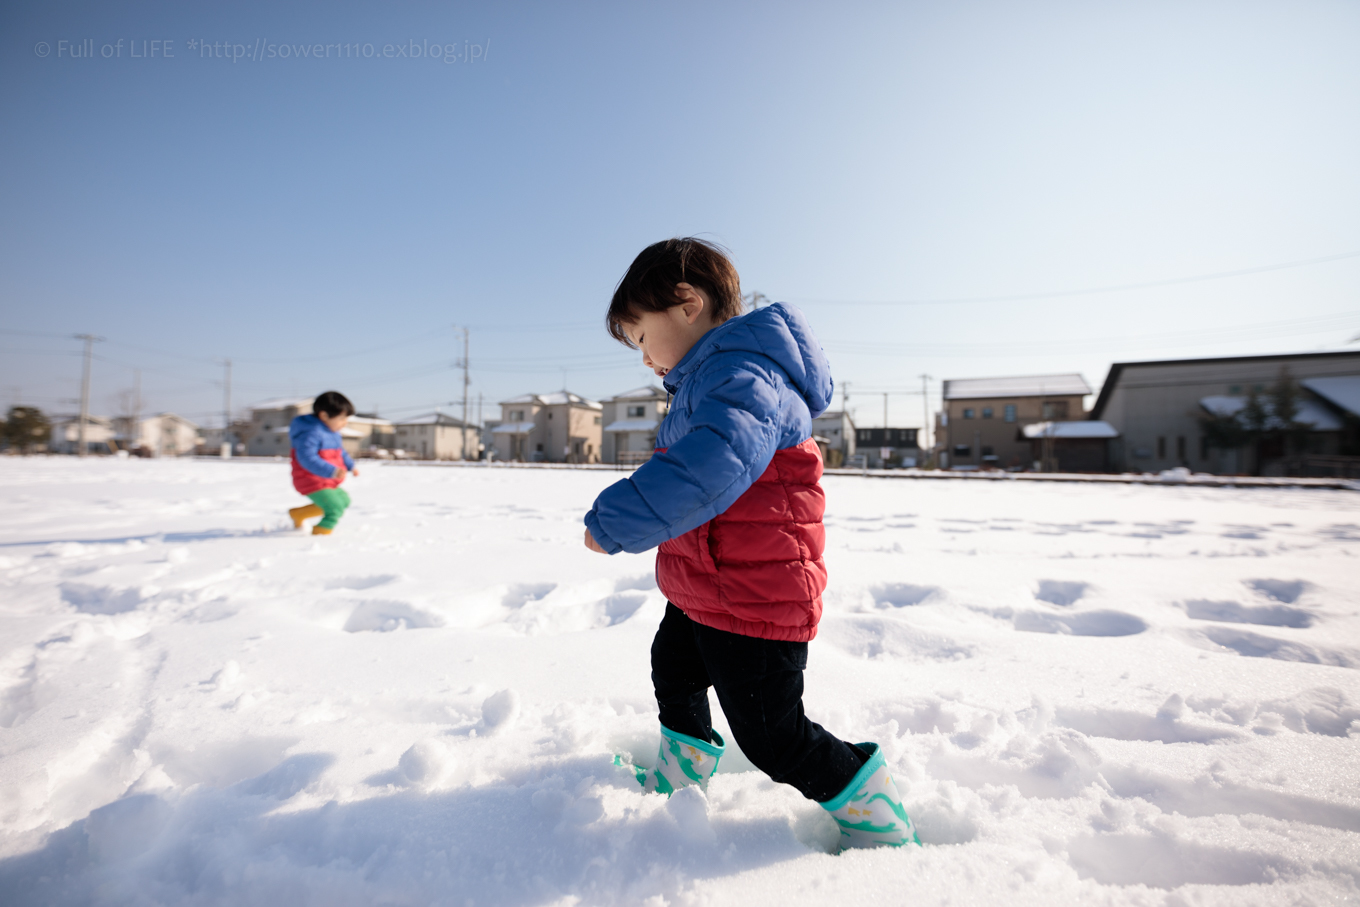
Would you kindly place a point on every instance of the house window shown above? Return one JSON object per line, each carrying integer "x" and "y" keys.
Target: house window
{"x": 1235, "y": 390}
{"x": 988, "y": 451}
{"x": 963, "y": 451}
{"x": 517, "y": 415}
{"x": 1009, "y": 412}
{"x": 986, "y": 412}
{"x": 1180, "y": 447}
{"x": 1161, "y": 447}
{"x": 597, "y": 420}
{"x": 1055, "y": 410}
{"x": 637, "y": 412}
{"x": 968, "y": 414}
{"x": 549, "y": 415}
{"x": 540, "y": 448}
{"x": 1204, "y": 447}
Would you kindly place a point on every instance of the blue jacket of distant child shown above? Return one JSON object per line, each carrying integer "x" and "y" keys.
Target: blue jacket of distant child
{"x": 748, "y": 389}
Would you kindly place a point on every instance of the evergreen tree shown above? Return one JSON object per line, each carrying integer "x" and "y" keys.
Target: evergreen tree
{"x": 24, "y": 427}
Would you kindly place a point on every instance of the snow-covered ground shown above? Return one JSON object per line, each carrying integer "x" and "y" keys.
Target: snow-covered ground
{"x": 1090, "y": 694}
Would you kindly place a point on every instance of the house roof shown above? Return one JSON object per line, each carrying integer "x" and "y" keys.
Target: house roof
{"x": 433, "y": 419}
{"x": 513, "y": 428}
{"x": 368, "y": 420}
{"x": 1020, "y": 386}
{"x": 632, "y": 425}
{"x": 1117, "y": 368}
{"x": 284, "y": 402}
{"x": 1083, "y": 429}
{"x": 1342, "y": 391}
{"x": 559, "y": 398}
{"x": 650, "y": 392}
{"x": 1310, "y": 412}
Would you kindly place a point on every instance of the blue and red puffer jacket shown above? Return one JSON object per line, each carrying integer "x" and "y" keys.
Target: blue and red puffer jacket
{"x": 317, "y": 455}
{"x": 733, "y": 494}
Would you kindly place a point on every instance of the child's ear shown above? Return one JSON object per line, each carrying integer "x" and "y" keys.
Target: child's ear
{"x": 691, "y": 302}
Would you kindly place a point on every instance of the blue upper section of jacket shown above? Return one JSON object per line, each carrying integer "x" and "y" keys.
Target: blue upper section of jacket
{"x": 749, "y": 387}
{"x": 309, "y": 436}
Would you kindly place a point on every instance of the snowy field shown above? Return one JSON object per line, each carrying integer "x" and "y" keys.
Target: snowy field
{"x": 1089, "y": 695}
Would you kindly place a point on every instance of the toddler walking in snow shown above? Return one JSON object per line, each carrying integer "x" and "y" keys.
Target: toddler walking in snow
{"x": 320, "y": 462}
{"x": 733, "y": 498}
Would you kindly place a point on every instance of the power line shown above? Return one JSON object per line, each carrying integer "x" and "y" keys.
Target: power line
{"x": 1087, "y": 291}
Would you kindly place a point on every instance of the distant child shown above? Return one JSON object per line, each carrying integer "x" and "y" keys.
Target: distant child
{"x": 733, "y": 498}
{"x": 320, "y": 462}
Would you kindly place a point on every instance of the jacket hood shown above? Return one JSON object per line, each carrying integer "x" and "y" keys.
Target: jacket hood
{"x": 778, "y": 332}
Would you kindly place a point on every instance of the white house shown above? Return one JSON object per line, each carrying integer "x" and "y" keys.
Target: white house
{"x": 161, "y": 435}
{"x": 839, "y": 431}
{"x": 437, "y": 436}
{"x": 66, "y": 434}
{"x": 630, "y": 423}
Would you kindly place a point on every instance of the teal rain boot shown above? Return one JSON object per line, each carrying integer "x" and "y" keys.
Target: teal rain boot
{"x": 683, "y": 760}
{"x": 869, "y": 810}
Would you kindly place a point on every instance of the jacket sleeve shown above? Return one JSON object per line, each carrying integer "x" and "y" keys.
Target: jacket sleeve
{"x": 307, "y": 446}
{"x": 732, "y": 439}
{"x": 349, "y": 462}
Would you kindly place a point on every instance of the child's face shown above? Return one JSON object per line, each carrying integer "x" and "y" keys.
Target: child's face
{"x": 334, "y": 423}
{"x": 665, "y": 337}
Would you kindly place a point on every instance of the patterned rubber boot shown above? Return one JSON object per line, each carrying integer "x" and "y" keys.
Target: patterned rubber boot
{"x": 304, "y": 513}
{"x": 869, "y": 810}
{"x": 682, "y": 760}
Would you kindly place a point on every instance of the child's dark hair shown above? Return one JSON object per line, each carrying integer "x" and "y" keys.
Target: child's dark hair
{"x": 649, "y": 285}
{"x": 332, "y": 404}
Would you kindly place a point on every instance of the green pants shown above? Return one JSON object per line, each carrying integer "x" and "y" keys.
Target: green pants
{"x": 333, "y": 501}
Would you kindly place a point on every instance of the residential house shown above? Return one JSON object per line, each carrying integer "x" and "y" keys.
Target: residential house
{"x": 552, "y": 428}
{"x": 65, "y": 437}
{"x": 837, "y": 430}
{"x": 888, "y": 447}
{"x": 268, "y": 426}
{"x": 630, "y": 423}
{"x": 980, "y": 424}
{"x": 1161, "y": 409}
{"x": 366, "y": 432}
{"x": 161, "y": 435}
{"x": 438, "y": 436}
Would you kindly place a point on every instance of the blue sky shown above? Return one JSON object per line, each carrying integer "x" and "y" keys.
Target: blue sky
{"x": 892, "y": 168}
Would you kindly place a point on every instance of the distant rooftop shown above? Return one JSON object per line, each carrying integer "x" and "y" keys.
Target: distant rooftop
{"x": 1021, "y": 386}
{"x": 1084, "y": 429}
{"x": 433, "y": 419}
{"x": 304, "y": 403}
{"x": 1342, "y": 391}
{"x": 642, "y": 393}
{"x": 558, "y": 398}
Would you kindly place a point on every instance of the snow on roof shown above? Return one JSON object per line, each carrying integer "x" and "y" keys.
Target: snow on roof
{"x": 632, "y": 425}
{"x": 368, "y": 420}
{"x": 513, "y": 428}
{"x": 1310, "y": 412}
{"x": 304, "y": 404}
{"x": 651, "y": 392}
{"x": 433, "y": 418}
{"x": 1021, "y": 386}
{"x": 1083, "y": 429}
{"x": 555, "y": 399}
{"x": 1343, "y": 391}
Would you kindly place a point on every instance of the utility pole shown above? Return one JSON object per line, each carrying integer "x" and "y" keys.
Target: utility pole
{"x": 90, "y": 341}
{"x": 885, "y": 417}
{"x": 925, "y": 411}
{"x": 226, "y": 412}
{"x": 466, "y": 382}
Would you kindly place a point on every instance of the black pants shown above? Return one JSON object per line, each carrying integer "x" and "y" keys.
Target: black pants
{"x": 760, "y": 688}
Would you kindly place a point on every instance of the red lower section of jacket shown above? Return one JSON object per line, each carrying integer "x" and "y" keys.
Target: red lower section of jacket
{"x": 756, "y": 569}
{"x": 307, "y": 482}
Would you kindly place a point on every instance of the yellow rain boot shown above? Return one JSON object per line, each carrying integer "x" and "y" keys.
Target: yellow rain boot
{"x": 306, "y": 512}
{"x": 320, "y": 530}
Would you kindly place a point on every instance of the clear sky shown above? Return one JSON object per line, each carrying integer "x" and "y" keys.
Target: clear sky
{"x": 929, "y": 181}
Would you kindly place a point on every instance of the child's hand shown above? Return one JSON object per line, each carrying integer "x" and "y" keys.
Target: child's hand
{"x": 593, "y": 545}
{"x": 340, "y": 474}
{"x": 355, "y": 472}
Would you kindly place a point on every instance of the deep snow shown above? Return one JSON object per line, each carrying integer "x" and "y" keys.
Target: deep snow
{"x": 1089, "y": 693}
